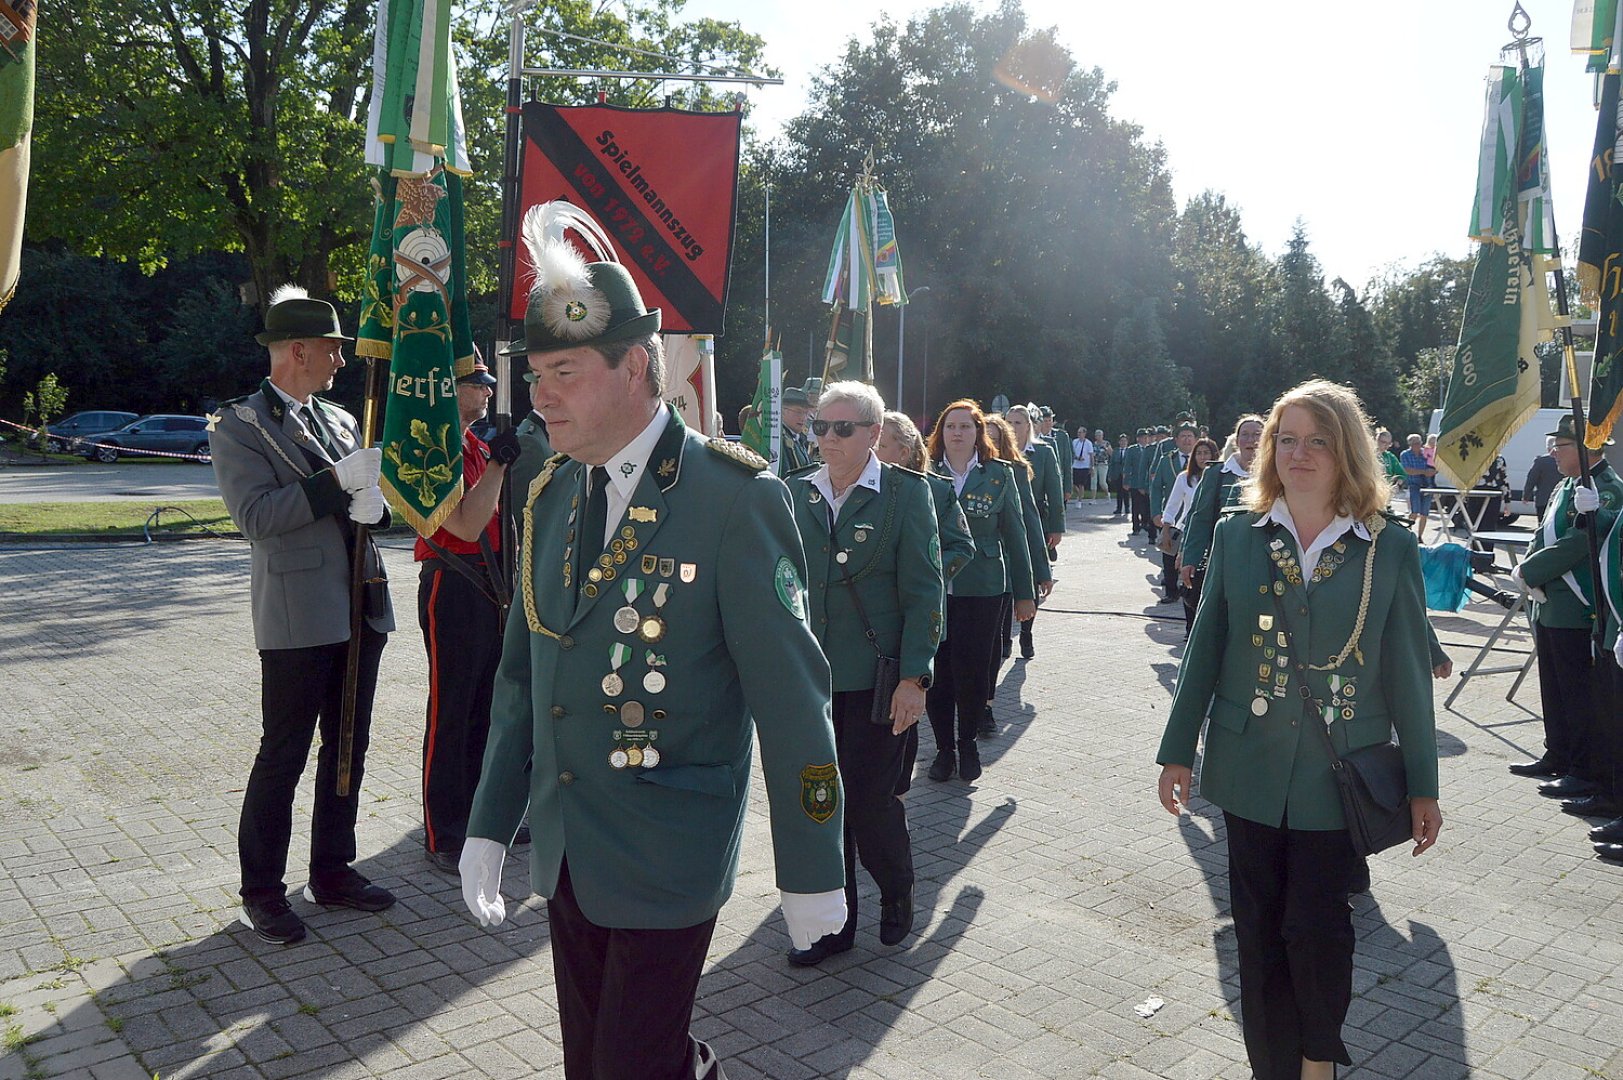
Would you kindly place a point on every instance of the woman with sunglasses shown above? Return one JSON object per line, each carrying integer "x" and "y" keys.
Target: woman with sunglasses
{"x": 960, "y": 450}
{"x": 874, "y": 588}
{"x": 1311, "y": 631}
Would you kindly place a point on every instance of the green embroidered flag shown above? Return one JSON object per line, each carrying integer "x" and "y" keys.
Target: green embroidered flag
{"x": 16, "y": 125}
{"x": 415, "y": 305}
{"x": 1600, "y": 266}
{"x": 1494, "y": 388}
{"x": 763, "y": 433}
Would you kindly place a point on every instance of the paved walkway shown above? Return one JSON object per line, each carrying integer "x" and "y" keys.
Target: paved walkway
{"x": 1055, "y": 895}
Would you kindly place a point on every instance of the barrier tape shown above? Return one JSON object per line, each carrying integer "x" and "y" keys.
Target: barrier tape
{"x": 77, "y": 445}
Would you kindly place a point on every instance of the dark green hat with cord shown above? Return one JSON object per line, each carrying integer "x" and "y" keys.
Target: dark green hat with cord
{"x": 295, "y": 315}
{"x": 575, "y": 303}
{"x": 796, "y": 395}
{"x": 1566, "y": 426}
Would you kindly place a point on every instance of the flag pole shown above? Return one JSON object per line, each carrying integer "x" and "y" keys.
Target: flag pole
{"x": 1519, "y": 24}
{"x": 507, "y": 273}
{"x": 357, "y": 598}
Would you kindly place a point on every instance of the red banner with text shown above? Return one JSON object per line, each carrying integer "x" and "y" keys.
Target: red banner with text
{"x": 662, "y": 182}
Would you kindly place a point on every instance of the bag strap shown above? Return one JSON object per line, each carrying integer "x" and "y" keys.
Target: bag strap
{"x": 480, "y": 583}
{"x": 856, "y": 598}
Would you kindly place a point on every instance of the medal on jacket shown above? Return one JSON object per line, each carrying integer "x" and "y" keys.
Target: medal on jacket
{"x": 654, "y": 681}
{"x": 626, "y": 618}
{"x": 634, "y": 749}
{"x": 652, "y": 626}
{"x": 613, "y": 684}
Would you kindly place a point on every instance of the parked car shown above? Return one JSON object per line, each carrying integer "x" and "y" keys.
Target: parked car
{"x": 64, "y": 434}
{"x": 160, "y": 433}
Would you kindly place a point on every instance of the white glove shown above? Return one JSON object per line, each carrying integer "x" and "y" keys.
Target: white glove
{"x": 1533, "y": 592}
{"x": 810, "y": 916}
{"x": 360, "y": 470}
{"x": 1617, "y": 650}
{"x": 481, "y": 869}
{"x": 366, "y": 505}
{"x": 1585, "y": 499}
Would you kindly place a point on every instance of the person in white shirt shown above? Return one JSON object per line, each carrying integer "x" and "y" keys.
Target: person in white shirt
{"x": 1177, "y": 509}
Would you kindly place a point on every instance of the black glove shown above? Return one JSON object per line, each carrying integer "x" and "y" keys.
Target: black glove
{"x": 505, "y": 447}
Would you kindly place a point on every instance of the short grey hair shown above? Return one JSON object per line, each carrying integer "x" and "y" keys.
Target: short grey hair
{"x": 616, "y": 351}
{"x": 870, "y": 406}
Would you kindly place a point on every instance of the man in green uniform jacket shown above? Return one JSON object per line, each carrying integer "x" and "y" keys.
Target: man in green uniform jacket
{"x": 661, "y": 608}
{"x": 794, "y": 451}
{"x": 1557, "y": 576}
{"x": 1167, "y": 468}
{"x": 1136, "y": 475}
{"x": 1608, "y": 838}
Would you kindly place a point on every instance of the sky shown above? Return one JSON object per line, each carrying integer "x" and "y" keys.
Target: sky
{"x": 1360, "y": 119}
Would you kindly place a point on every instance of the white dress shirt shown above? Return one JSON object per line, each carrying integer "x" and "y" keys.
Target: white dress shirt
{"x": 1309, "y": 557}
{"x": 625, "y": 470}
{"x": 868, "y": 479}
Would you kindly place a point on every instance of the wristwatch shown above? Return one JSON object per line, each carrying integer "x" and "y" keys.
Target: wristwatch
{"x": 923, "y": 681}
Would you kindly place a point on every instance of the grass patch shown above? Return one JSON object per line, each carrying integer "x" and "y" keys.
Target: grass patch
{"x": 112, "y": 518}
{"x": 13, "y": 1039}
{"x": 7, "y": 1009}
{"x": 309, "y": 1010}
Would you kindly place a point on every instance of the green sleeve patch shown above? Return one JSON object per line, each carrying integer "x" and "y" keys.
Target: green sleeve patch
{"x": 935, "y": 550}
{"x": 790, "y": 591}
{"x": 820, "y": 791}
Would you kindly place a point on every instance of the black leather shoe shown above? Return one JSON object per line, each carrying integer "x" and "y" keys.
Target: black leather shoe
{"x": 1541, "y": 767}
{"x": 987, "y": 726}
{"x": 446, "y": 862}
{"x": 824, "y": 947}
{"x": 1610, "y": 852}
{"x": 273, "y": 920}
{"x": 1609, "y": 833}
{"x": 351, "y": 891}
{"x": 1600, "y": 806}
{"x": 969, "y": 762}
{"x": 896, "y": 919}
{"x": 1028, "y": 650}
{"x": 522, "y": 836}
{"x": 944, "y": 765}
{"x": 1567, "y": 787}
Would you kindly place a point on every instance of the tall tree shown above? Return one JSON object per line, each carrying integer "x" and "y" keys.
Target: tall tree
{"x": 1217, "y": 327}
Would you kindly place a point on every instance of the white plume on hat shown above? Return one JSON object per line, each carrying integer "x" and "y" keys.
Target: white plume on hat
{"x": 289, "y": 292}
{"x": 570, "y": 306}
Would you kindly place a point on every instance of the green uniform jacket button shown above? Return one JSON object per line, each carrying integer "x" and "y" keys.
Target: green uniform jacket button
{"x": 566, "y": 642}
{"x": 557, "y": 712}
{"x": 566, "y": 778}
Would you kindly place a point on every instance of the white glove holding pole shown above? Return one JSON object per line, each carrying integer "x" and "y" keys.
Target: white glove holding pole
{"x": 810, "y": 916}
{"x": 366, "y": 506}
{"x": 1617, "y": 650}
{"x": 481, "y": 869}
{"x": 1585, "y": 499}
{"x": 360, "y": 470}
{"x": 1533, "y": 592}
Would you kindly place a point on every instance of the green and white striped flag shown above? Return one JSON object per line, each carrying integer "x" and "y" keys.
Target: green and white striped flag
{"x": 415, "y": 305}
{"x": 1511, "y": 156}
{"x": 1595, "y": 31}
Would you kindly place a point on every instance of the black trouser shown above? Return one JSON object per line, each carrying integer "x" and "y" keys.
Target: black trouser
{"x": 1567, "y": 687}
{"x": 462, "y": 632}
{"x": 301, "y": 688}
{"x": 1169, "y": 572}
{"x": 1141, "y": 512}
{"x": 1191, "y": 601}
{"x": 625, "y": 997}
{"x": 872, "y": 761}
{"x": 1120, "y": 491}
{"x": 961, "y": 686}
{"x": 1000, "y": 643}
{"x": 1293, "y": 926}
{"x": 1608, "y": 745}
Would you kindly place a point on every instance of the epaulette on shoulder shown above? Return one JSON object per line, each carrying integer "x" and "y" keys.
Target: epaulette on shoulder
{"x": 555, "y": 461}
{"x": 231, "y": 401}
{"x": 1236, "y": 508}
{"x": 1396, "y": 518}
{"x": 910, "y": 472}
{"x": 804, "y": 470}
{"x": 738, "y": 454}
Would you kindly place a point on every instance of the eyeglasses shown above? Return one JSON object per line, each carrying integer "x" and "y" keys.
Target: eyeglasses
{"x": 842, "y": 429}
{"x": 1289, "y": 444}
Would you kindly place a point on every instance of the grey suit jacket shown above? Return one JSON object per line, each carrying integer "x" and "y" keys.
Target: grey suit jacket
{"x": 295, "y": 515}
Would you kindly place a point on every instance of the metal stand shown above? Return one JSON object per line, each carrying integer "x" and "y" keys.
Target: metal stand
{"x": 1516, "y": 545}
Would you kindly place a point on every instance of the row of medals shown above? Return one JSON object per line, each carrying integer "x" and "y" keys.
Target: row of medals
{"x": 634, "y": 748}
{"x": 1272, "y": 676}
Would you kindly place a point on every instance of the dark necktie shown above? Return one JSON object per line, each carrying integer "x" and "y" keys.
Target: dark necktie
{"x": 595, "y": 521}
{"x": 318, "y": 431}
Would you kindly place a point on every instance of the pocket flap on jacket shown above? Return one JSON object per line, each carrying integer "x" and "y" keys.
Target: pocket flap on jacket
{"x": 1367, "y": 731}
{"x": 304, "y": 558}
{"x": 714, "y": 780}
{"x": 1230, "y": 714}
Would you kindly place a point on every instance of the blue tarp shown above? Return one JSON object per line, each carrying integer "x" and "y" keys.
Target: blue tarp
{"x": 1446, "y": 568}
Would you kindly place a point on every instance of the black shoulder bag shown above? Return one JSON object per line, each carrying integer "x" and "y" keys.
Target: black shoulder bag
{"x": 1372, "y": 782}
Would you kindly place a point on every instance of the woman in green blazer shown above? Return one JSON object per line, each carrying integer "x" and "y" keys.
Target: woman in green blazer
{"x": 1312, "y": 623}
{"x": 991, "y": 501}
{"x": 1007, "y": 446}
{"x": 873, "y": 563}
{"x": 901, "y": 444}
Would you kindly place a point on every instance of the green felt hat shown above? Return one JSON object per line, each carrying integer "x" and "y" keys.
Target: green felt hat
{"x": 796, "y": 395}
{"x": 575, "y": 303}
{"x": 1565, "y": 428}
{"x": 294, "y": 314}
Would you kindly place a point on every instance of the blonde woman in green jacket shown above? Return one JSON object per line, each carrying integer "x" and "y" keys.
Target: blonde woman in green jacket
{"x": 986, "y": 489}
{"x": 1312, "y": 622}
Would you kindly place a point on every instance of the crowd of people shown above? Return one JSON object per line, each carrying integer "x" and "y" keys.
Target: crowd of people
{"x": 677, "y": 597}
